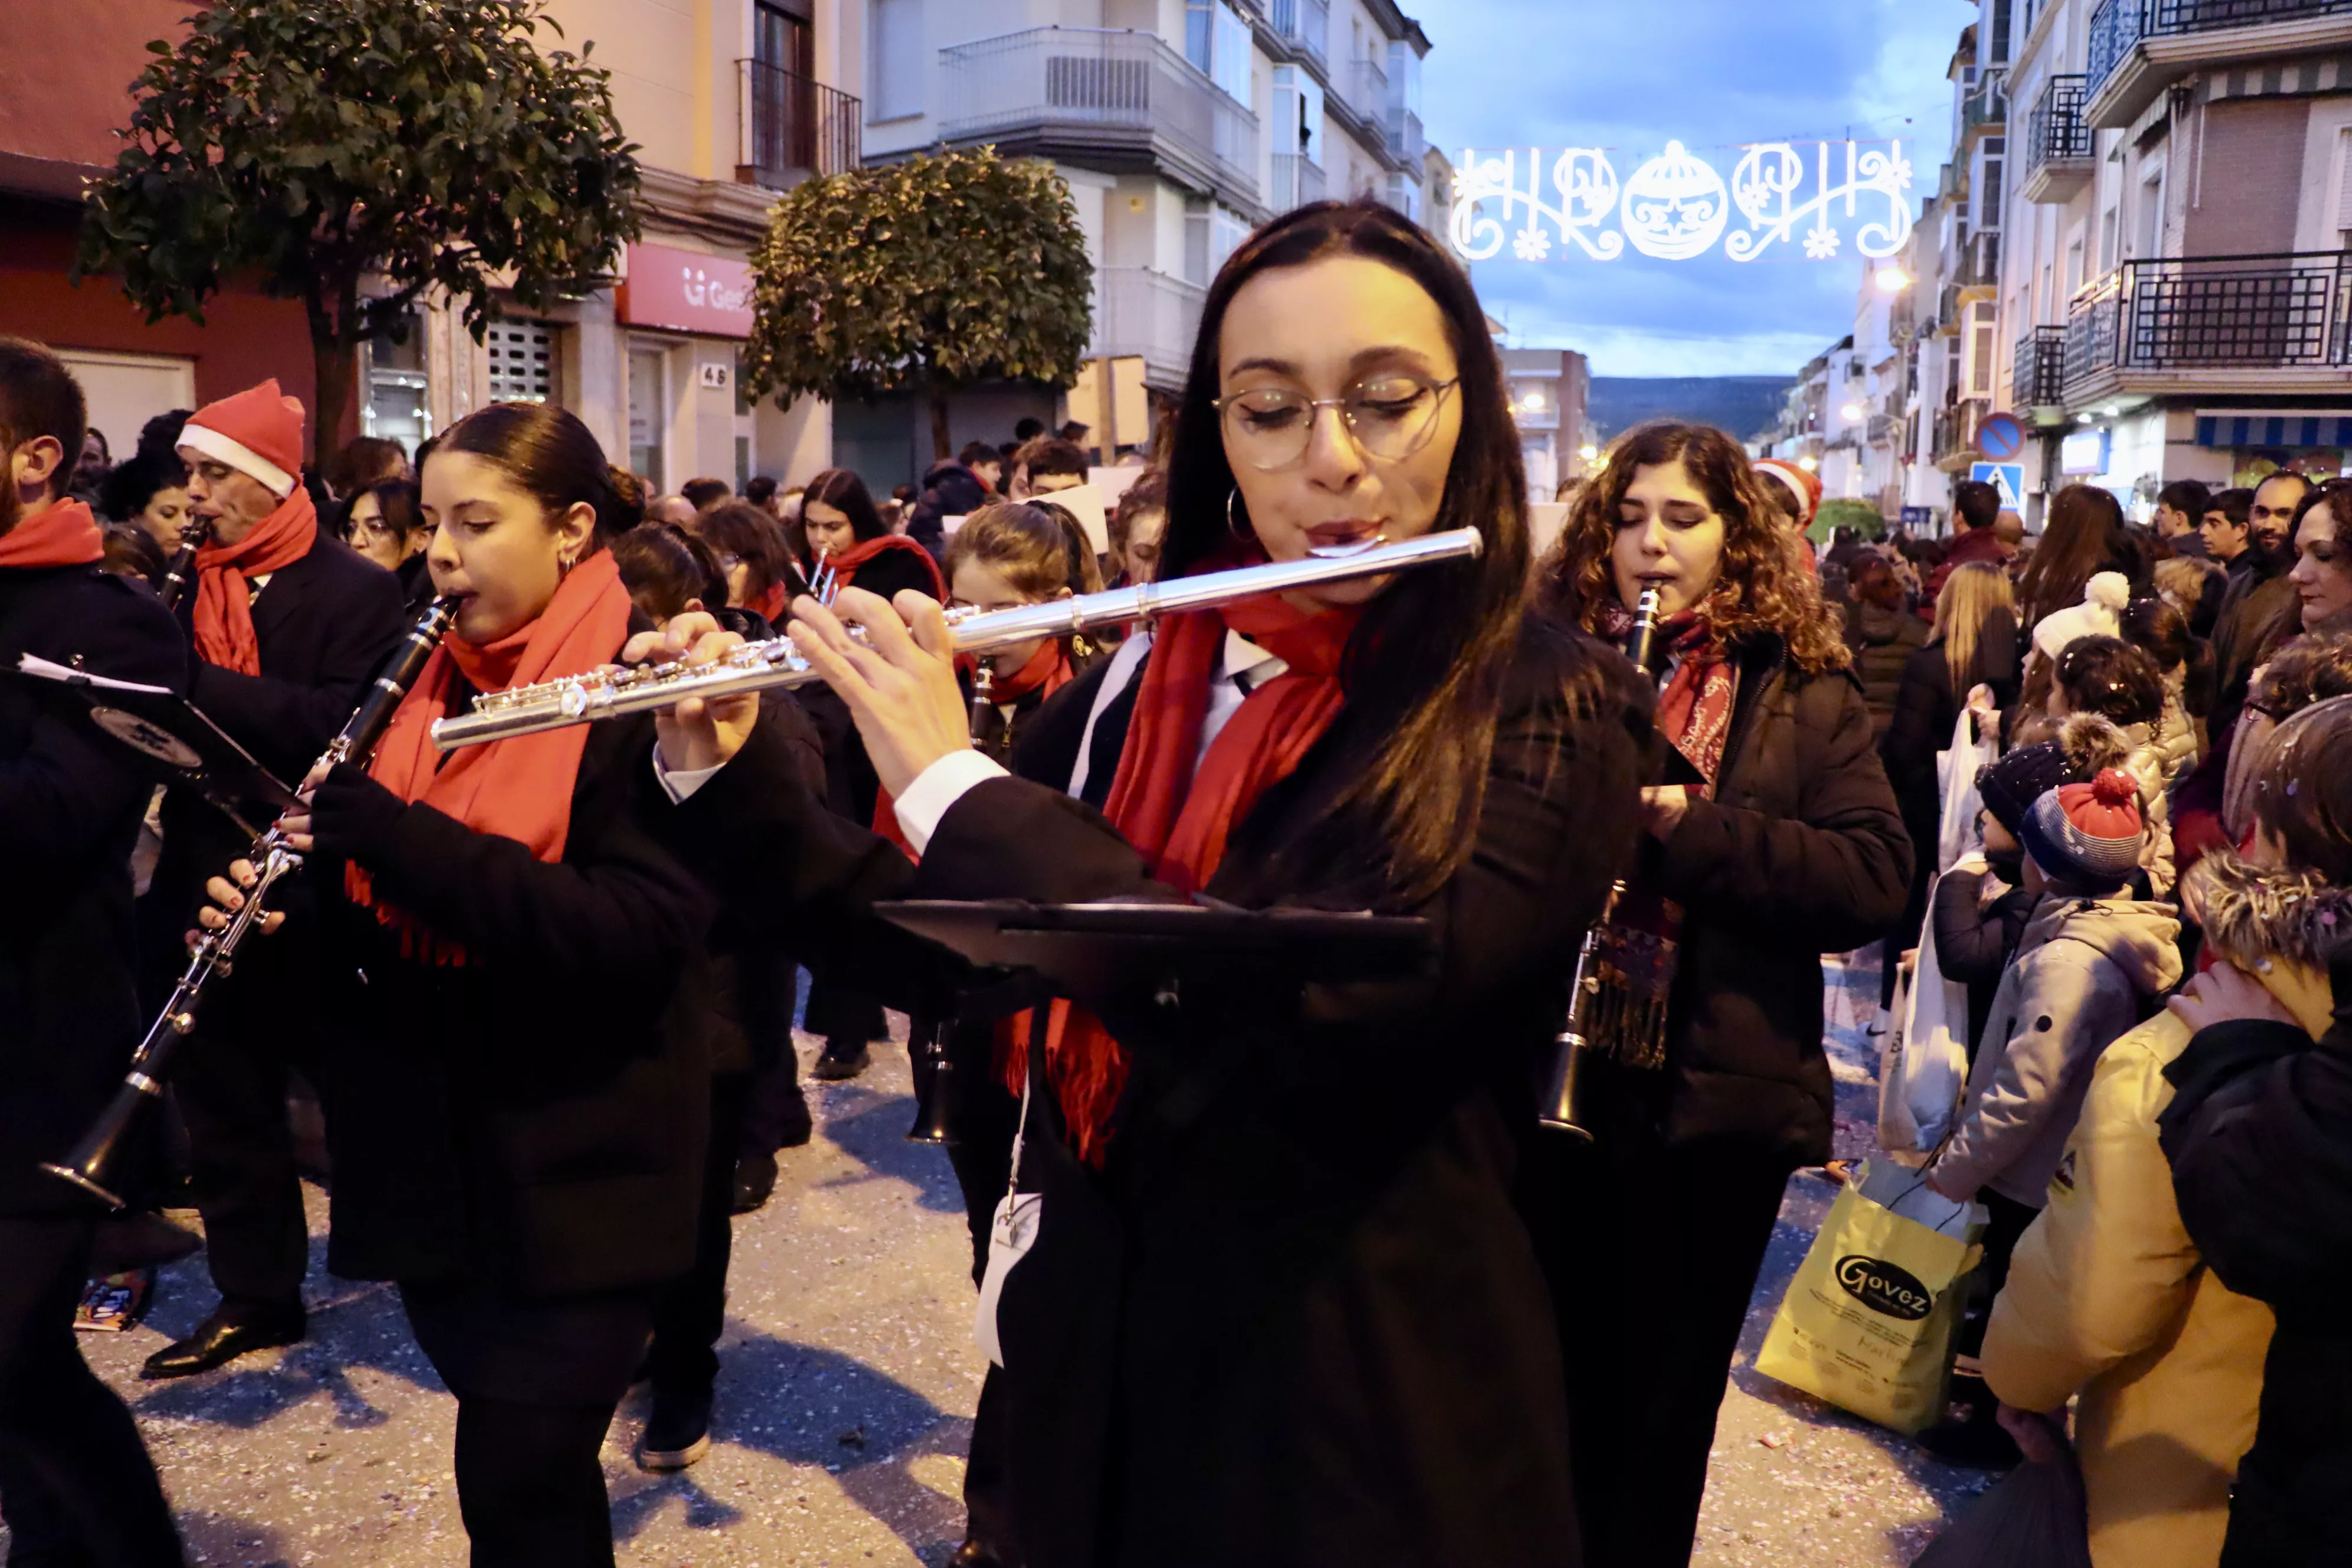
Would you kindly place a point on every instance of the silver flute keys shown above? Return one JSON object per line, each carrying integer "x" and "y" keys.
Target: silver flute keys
{"x": 776, "y": 663}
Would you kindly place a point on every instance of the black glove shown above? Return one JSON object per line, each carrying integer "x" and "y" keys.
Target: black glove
{"x": 351, "y": 815}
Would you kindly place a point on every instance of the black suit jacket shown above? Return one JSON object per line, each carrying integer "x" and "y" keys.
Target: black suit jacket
{"x": 69, "y": 810}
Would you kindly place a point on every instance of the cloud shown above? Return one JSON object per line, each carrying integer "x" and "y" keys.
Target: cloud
{"x": 1631, "y": 75}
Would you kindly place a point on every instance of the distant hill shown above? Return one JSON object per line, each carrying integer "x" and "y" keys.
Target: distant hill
{"x": 1743, "y": 405}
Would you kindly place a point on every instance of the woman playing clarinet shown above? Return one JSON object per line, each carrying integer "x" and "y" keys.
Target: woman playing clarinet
{"x": 515, "y": 1105}
{"x": 1771, "y": 840}
{"x": 1280, "y": 1308}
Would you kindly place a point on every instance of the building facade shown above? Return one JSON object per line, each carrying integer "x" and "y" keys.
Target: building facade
{"x": 1551, "y": 395}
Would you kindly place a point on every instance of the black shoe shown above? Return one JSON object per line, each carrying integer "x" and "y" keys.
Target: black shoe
{"x": 1975, "y": 1443}
{"x": 677, "y": 1433}
{"x": 755, "y": 1182}
{"x": 799, "y": 1126}
{"x": 220, "y": 1339}
{"x": 842, "y": 1059}
{"x": 972, "y": 1555}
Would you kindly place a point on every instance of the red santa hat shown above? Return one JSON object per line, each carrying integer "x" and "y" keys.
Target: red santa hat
{"x": 1803, "y": 487}
{"x": 257, "y": 432}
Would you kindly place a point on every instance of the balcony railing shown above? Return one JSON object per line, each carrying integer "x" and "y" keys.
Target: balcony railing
{"x": 790, "y": 126}
{"x": 1140, "y": 312}
{"x": 1091, "y": 81}
{"x": 1986, "y": 106}
{"x": 2057, "y": 133}
{"x": 1404, "y": 134}
{"x": 1955, "y": 431}
{"x": 1882, "y": 427}
{"x": 1305, "y": 23}
{"x": 2118, "y": 26}
{"x": 2273, "y": 312}
{"x": 2040, "y": 379}
{"x": 1297, "y": 181}
{"x": 1367, "y": 89}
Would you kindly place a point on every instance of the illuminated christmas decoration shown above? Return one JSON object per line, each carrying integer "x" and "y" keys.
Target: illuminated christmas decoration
{"x": 1677, "y": 205}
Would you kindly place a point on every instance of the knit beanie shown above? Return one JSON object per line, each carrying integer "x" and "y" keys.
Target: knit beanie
{"x": 2086, "y": 743}
{"x": 2087, "y": 836}
{"x": 257, "y": 432}
{"x": 2099, "y": 615}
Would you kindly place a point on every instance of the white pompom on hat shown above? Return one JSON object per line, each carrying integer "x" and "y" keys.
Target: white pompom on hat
{"x": 2099, "y": 615}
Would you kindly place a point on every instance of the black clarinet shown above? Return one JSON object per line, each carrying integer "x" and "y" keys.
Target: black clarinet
{"x": 92, "y": 1164}
{"x": 926, "y": 1038}
{"x": 1565, "y": 1096}
{"x": 184, "y": 562}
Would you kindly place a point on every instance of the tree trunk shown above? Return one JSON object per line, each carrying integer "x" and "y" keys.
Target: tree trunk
{"x": 940, "y": 451}
{"x": 336, "y": 366}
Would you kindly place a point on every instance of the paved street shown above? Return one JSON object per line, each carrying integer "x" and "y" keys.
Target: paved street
{"x": 847, "y": 1394}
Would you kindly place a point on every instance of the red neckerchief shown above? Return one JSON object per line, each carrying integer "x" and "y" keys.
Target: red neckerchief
{"x": 60, "y": 534}
{"x": 224, "y": 615}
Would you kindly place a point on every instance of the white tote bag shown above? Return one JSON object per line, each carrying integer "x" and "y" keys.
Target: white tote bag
{"x": 1956, "y": 780}
{"x": 1925, "y": 1070}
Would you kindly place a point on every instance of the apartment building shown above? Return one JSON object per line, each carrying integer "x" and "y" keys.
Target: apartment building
{"x": 1551, "y": 395}
{"x": 1180, "y": 125}
{"x": 2173, "y": 295}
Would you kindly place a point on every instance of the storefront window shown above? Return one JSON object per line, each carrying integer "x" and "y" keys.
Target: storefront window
{"x": 648, "y": 422}
{"x": 395, "y": 406}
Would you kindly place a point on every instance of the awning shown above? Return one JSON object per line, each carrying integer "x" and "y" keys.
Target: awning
{"x": 2257, "y": 428}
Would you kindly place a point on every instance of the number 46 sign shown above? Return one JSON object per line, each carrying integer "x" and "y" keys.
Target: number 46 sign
{"x": 1677, "y": 207}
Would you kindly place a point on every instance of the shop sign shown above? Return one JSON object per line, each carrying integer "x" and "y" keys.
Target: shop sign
{"x": 686, "y": 291}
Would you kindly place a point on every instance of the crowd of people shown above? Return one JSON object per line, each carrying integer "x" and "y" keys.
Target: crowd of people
{"x": 1277, "y": 1266}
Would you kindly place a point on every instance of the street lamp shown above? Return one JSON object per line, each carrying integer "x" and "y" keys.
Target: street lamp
{"x": 1588, "y": 453}
{"x": 1808, "y": 464}
{"x": 1850, "y": 412}
{"x": 1892, "y": 280}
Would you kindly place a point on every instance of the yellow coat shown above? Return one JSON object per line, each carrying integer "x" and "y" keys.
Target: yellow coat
{"x": 2107, "y": 1297}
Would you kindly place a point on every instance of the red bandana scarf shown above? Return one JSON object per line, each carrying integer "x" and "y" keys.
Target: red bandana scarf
{"x": 1179, "y": 819}
{"x": 61, "y": 534}
{"x": 224, "y": 602}
{"x": 521, "y": 788}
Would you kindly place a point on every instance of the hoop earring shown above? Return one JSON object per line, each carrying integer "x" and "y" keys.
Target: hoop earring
{"x": 1232, "y": 526}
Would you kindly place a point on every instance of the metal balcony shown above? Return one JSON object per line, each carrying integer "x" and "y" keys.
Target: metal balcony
{"x": 1954, "y": 435}
{"x": 1405, "y": 141}
{"x": 2220, "y": 323}
{"x": 2060, "y": 144}
{"x": 2039, "y": 379}
{"x": 1297, "y": 182}
{"x": 2138, "y": 47}
{"x": 1140, "y": 312}
{"x": 1985, "y": 106}
{"x": 1305, "y": 23}
{"x": 1367, "y": 92}
{"x": 790, "y": 127}
{"x": 1883, "y": 429}
{"x": 1105, "y": 98}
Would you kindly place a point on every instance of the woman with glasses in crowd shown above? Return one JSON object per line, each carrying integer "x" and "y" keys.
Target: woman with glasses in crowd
{"x": 387, "y": 524}
{"x": 1279, "y": 1308}
{"x": 1772, "y": 839}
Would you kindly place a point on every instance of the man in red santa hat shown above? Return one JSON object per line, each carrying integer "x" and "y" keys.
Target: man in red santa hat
{"x": 75, "y": 1484}
{"x": 287, "y": 626}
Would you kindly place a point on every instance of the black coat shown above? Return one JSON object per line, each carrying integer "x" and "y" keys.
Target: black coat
{"x": 1973, "y": 944}
{"x": 1925, "y": 709}
{"x": 1296, "y": 1319}
{"x": 2259, "y": 1137}
{"x": 1800, "y": 852}
{"x": 949, "y": 490}
{"x": 1882, "y": 641}
{"x": 69, "y": 808}
{"x": 536, "y": 1116}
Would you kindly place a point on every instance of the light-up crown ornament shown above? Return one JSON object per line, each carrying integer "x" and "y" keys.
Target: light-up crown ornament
{"x": 1675, "y": 206}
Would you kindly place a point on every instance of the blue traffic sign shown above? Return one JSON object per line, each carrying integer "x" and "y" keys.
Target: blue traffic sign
{"x": 2001, "y": 438}
{"x": 2009, "y": 478}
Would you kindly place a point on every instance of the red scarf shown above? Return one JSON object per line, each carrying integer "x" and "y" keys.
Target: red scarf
{"x": 1179, "y": 819}
{"x": 60, "y": 534}
{"x": 225, "y": 603}
{"x": 847, "y": 563}
{"x": 521, "y": 788}
{"x": 770, "y": 606}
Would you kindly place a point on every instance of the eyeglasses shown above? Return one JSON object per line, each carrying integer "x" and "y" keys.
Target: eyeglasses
{"x": 1390, "y": 417}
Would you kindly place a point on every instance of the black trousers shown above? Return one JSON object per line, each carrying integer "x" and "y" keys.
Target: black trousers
{"x": 775, "y": 1110}
{"x": 1653, "y": 1254}
{"x": 77, "y": 1488}
{"x": 837, "y": 1012}
{"x": 985, "y": 1116}
{"x": 231, "y": 1082}
{"x": 693, "y": 1310}
{"x": 536, "y": 1382}
{"x": 2005, "y": 1223}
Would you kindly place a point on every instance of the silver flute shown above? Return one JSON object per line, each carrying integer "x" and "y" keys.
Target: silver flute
{"x": 613, "y": 693}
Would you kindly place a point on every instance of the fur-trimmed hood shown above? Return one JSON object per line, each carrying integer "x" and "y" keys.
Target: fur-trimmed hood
{"x": 2251, "y": 912}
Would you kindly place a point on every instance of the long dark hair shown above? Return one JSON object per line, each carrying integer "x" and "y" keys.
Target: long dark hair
{"x": 1759, "y": 588}
{"x": 1423, "y": 671}
{"x": 550, "y": 456}
{"x": 2083, "y": 534}
{"x": 842, "y": 490}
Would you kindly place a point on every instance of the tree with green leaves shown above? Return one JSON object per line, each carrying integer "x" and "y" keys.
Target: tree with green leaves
{"x": 356, "y": 154}
{"x": 940, "y": 272}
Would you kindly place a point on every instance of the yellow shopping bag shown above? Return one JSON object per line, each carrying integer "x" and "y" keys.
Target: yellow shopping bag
{"x": 1867, "y": 1321}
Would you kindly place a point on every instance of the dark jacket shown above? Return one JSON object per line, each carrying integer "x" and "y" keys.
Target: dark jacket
{"x": 1972, "y": 545}
{"x": 949, "y": 490}
{"x": 1799, "y": 853}
{"x": 2259, "y": 1137}
{"x": 1973, "y": 943}
{"x": 415, "y": 585}
{"x": 1882, "y": 641}
{"x": 535, "y": 1116}
{"x": 69, "y": 808}
{"x": 1925, "y": 709}
{"x": 1296, "y": 1319}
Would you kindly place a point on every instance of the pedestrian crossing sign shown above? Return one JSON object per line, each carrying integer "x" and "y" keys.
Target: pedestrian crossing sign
{"x": 2009, "y": 478}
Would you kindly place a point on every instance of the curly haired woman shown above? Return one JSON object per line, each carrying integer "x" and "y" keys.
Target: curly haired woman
{"x": 1772, "y": 839}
